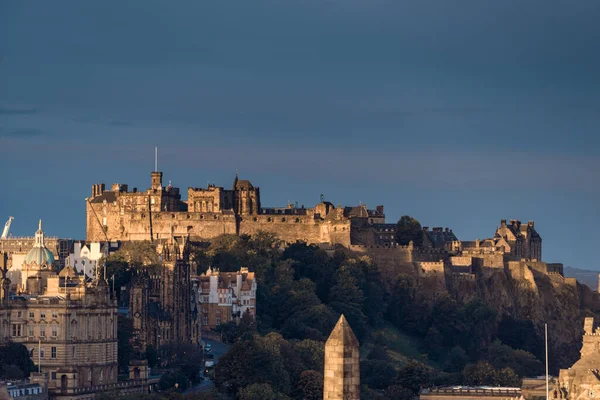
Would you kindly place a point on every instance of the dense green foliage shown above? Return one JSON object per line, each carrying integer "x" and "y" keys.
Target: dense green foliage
{"x": 408, "y": 340}
{"x": 409, "y": 230}
{"x": 15, "y": 362}
{"x": 303, "y": 289}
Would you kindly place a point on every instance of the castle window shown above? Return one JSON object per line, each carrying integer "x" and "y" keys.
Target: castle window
{"x": 31, "y": 314}
{"x": 30, "y": 331}
{"x": 202, "y": 217}
{"x": 54, "y": 331}
{"x": 215, "y": 217}
{"x": 53, "y": 352}
{"x": 269, "y": 219}
{"x": 254, "y": 219}
{"x": 283, "y": 219}
{"x": 42, "y": 315}
{"x": 42, "y": 330}
{"x": 54, "y": 313}
{"x": 297, "y": 219}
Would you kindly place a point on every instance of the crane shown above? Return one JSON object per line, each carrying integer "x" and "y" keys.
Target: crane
{"x": 7, "y": 227}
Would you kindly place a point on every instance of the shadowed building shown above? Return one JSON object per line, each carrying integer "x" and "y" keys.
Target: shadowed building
{"x": 342, "y": 371}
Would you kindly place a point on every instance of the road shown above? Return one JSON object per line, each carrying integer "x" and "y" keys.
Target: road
{"x": 218, "y": 349}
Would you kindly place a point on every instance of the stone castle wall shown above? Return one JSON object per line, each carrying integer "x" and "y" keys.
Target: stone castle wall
{"x": 135, "y": 225}
{"x": 291, "y": 228}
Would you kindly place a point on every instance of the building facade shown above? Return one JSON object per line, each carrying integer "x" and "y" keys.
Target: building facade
{"x": 67, "y": 323}
{"x": 226, "y": 296}
{"x": 85, "y": 256}
{"x": 162, "y": 304}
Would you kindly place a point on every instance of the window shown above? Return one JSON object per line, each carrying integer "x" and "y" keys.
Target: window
{"x": 205, "y": 320}
{"x": 218, "y": 320}
{"x": 42, "y": 315}
{"x": 16, "y": 330}
{"x": 54, "y": 314}
{"x": 42, "y": 352}
{"x": 53, "y": 352}
{"x": 54, "y": 331}
{"x": 53, "y": 375}
{"x": 30, "y": 331}
{"x": 73, "y": 351}
{"x": 19, "y": 314}
{"x": 31, "y": 314}
{"x": 42, "y": 330}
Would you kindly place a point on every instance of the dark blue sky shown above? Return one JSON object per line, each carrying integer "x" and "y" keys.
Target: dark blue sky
{"x": 457, "y": 113}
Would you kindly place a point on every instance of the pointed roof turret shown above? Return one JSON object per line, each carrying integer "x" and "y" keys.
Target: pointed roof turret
{"x": 235, "y": 181}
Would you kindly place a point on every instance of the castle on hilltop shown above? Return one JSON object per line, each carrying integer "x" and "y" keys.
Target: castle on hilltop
{"x": 160, "y": 213}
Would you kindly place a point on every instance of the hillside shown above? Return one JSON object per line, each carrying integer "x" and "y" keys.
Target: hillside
{"x": 584, "y": 276}
{"x": 493, "y": 323}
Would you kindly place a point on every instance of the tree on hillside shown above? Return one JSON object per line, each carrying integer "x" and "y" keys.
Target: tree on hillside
{"x": 15, "y": 362}
{"x": 310, "y": 386}
{"x": 409, "y": 229}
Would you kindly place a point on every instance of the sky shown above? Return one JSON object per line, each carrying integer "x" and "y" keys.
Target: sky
{"x": 459, "y": 114}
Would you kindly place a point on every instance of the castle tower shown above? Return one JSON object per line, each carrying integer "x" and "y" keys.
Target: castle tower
{"x": 342, "y": 371}
{"x": 156, "y": 180}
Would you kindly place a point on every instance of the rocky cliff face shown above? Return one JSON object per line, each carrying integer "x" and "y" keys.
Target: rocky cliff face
{"x": 541, "y": 298}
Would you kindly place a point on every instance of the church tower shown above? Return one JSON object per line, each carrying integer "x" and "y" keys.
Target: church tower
{"x": 342, "y": 371}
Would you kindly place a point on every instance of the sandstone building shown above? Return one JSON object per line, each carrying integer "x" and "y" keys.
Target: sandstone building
{"x": 164, "y": 303}
{"x": 226, "y": 296}
{"x": 342, "y": 364}
{"x": 68, "y": 324}
{"x": 159, "y": 213}
{"x": 582, "y": 380}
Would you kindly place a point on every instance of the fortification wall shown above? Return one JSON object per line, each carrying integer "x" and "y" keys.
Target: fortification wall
{"x": 136, "y": 226}
{"x": 291, "y": 228}
{"x": 390, "y": 260}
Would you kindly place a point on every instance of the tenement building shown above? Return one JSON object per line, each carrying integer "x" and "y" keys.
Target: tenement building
{"x": 68, "y": 324}
{"x": 226, "y": 296}
{"x": 163, "y": 305}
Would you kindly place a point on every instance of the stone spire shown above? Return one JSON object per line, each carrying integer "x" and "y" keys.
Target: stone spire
{"x": 342, "y": 372}
{"x": 39, "y": 236}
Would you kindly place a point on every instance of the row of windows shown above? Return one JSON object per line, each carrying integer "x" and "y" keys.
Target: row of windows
{"x": 18, "y": 330}
{"x": 42, "y": 314}
{"x": 41, "y": 352}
